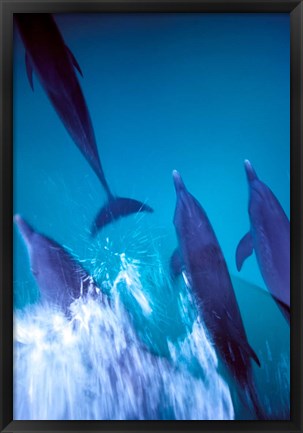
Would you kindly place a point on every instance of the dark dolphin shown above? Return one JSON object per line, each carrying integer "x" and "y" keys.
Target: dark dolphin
{"x": 269, "y": 237}
{"x": 54, "y": 64}
{"x": 60, "y": 278}
{"x": 206, "y": 273}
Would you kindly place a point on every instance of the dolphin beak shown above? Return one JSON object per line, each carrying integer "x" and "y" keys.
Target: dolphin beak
{"x": 250, "y": 172}
{"x": 24, "y": 228}
{"x": 178, "y": 182}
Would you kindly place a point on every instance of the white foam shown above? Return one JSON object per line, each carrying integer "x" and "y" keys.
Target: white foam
{"x": 93, "y": 366}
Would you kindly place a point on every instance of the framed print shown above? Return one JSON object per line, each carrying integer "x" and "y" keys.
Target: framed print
{"x": 151, "y": 218}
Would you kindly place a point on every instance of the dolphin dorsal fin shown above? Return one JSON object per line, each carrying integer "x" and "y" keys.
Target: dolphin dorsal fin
{"x": 29, "y": 70}
{"x": 73, "y": 60}
{"x": 244, "y": 250}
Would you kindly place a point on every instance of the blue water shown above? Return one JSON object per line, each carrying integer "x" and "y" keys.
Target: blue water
{"x": 194, "y": 92}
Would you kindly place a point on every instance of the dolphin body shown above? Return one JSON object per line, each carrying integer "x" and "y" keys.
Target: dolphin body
{"x": 201, "y": 261}
{"x": 54, "y": 64}
{"x": 269, "y": 237}
{"x": 59, "y": 276}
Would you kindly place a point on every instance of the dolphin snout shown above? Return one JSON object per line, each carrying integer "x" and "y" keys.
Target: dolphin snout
{"x": 250, "y": 172}
{"x": 178, "y": 182}
{"x": 17, "y": 218}
{"x": 24, "y": 228}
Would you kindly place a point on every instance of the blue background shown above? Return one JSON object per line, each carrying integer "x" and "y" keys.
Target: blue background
{"x": 194, "y": 92}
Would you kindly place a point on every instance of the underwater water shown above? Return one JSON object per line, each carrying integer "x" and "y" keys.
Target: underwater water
{"x": 199, "y": 93}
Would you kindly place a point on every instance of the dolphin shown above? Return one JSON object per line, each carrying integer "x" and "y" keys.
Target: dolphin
{"x": 60, "y": 278}
{"x": 54, "y": 64}
{"x": 205, "y": 272}
{"x": 269, "y": 237}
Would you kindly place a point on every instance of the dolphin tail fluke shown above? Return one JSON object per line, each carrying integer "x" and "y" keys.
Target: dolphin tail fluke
{"x": 116, "y": 208}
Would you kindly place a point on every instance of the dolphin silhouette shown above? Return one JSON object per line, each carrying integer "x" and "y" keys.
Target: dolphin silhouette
{"x": 54, "y": 64}
{"x": 269, "y": 237}
{"x": 205, "y": 272}
{"x": 60, "y": 278}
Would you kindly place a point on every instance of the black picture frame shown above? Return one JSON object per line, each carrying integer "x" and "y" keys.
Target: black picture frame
{"x": 7, "y": 9}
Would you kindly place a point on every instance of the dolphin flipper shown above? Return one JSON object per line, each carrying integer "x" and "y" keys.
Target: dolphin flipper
{"x": 244, "y": 250}
{"x": 29, "y": 70}
{"x": 73, "y": 60}
{"x": 284, "y": 308}
{"x": 115, "y": 208}
{"x": 176, "y": 264}
{"x": 253, "y": 355}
